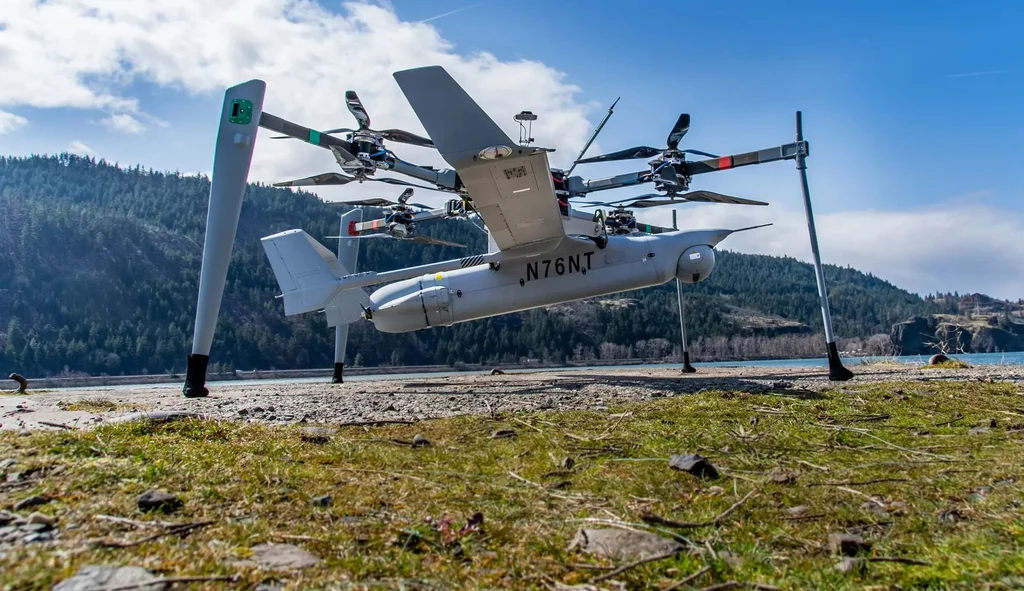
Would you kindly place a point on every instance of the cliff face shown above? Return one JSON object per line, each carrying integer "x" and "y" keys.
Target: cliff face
{"x": 944, "y": 333}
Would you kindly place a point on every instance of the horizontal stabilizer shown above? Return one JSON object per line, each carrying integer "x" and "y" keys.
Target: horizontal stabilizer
{"x": 309, "y": 277}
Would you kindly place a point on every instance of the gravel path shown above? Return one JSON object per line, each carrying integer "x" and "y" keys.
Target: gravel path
{"x": 421, "y": 398}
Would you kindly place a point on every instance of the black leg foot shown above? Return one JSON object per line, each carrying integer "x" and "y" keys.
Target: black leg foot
{"x": 837, "y": 372}
{"x": 687, "y": 368}
{"x": 195, "y": 377}
{"x": 339, "y": 370}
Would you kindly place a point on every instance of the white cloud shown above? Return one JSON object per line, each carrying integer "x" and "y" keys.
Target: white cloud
{"x": 77, "y": 147}
{"x": 123, "y": 123}
{"x": 962, "y": 248}
{"x": 10, "y": 122}
{"x": 84, "y": 53}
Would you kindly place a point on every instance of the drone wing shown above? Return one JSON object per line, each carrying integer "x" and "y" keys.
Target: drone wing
{"x": 510, "y": 185}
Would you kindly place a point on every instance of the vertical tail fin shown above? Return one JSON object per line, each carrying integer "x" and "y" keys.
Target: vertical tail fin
{"x": 308, "y": 275}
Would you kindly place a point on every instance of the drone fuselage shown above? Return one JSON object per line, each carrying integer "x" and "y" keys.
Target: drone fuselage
{"x": 574, "y": 272}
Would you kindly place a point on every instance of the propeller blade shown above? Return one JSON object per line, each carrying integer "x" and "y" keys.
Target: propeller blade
{"x": 435, "y": 241}
{"x": 371, "y": 202}
{"x": 402, "y": 183}
{"x": 294, "y": 130}
{"x": 327, "y": 178}
{"x": 345, "y": 159}
{"x": 751, "y": 228}
{"x": 627, "y": 154}
{"x": 355, "y": 106}
{"x": 712, "y": 197}
{"x": 406, "y": 194}
{"x": 678, "y": 131}
{"x": 699, "y": 153}
{"x": 416, "y": 239}
{"x": 405, "y": 137}
{"x": 335, "y": 130}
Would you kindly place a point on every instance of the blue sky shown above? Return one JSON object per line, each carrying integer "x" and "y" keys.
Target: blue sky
{"x": 913, "y": 114}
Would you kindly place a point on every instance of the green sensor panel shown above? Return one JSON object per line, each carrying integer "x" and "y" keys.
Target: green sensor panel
{"x": 241, "y": 111}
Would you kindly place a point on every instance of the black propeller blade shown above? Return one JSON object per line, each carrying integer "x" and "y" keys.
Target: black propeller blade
{"x": 658, "y": 200}
{"x": 678, "y": 131}
{"x": 336, "y": 178}
{"x": 355, "y": 106}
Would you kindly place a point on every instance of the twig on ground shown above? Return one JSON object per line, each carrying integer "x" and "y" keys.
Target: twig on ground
{"x": 632, "y": 565}
{"x": 520, "y": 421}
{"x": 58, "y": 425}
{"x": 737, "y": 584}
{"x": 687, "y": 580}
{"x": 652, "y": 518}
{"x": 170, "y": 531}
{"x": 133, "y": 522}
{"x": 858, "y": 493}
{"x": 397, "y": 474}
{"x": 297, "y": 537}
{"x": 898, "y": 559}
{"x": 815, "y": 466}
{"x": 170, "y": 580}
{"x": 859, "y": 483}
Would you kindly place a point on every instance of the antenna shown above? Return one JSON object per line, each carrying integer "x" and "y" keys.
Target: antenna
{"x": 593, "y": 137}
{"x": 525, "y": 133}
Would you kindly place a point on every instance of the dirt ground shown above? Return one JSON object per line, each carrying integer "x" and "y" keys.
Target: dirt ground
{"x": 404, "y": 399}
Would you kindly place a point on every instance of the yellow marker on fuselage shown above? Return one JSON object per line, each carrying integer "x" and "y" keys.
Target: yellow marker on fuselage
{"x": 438, "y": 277}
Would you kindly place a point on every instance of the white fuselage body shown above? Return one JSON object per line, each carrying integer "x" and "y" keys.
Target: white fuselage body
{"x": 576, "y": 271}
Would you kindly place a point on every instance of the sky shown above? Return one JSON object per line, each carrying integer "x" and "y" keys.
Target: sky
{"x": 913, "y": 115}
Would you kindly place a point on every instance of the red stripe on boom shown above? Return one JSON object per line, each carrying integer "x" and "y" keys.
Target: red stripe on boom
{"x": 724, "y": 162}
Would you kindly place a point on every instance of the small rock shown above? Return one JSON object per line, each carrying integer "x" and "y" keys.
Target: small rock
{"x": 283, "y": 557}
{"x": 7, "y": 517}
{"x": 798, "y": 511}
{"x": 391, "y": 408}
{"x": 323, "y": 501}
{"x": 317, "y": 435}
{"x": 36, "y": 527}
{"x": 33, "y": 501}
{"x": 781, "y": 385}
{"x": 98, "y": 578}
{"x": 979, "y": 431}
{"x": 782, "y": 476}
{"x": 847, "y": 544}
{"x": 952, "y": 515}
{"x": 567, "y": 463}
{"x": 7, "y": 463}
{"x": 850, "y": 565}
{"x": 420, "y": 441}
{"x": 497, "y": 372}
{"x": 41, "y": 519}
{"x": 695, "y": 464}
{"x": 269, "y": 587}
{"x": 620, "y": 544}
{"x": 158, "y": 500}
{"x": 715, "y": 490}
{"x": 937, "y": 359}
{"x": 504, "y": 434}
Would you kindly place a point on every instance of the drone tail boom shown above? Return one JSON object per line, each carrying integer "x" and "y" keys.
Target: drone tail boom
{"x": 309, "y": 277}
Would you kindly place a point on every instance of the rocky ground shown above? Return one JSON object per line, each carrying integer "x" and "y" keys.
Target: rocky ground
{"x": 409, "y": 399}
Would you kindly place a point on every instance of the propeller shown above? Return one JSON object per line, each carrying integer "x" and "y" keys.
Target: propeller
{"x": 417, "y": 239}
{"x": 403, "y": 199}
{"x": 657, "y": 200}
{"x": 678, "y": 131}
{"x": 355, "y": 106}
{"x": 336, "y": 178}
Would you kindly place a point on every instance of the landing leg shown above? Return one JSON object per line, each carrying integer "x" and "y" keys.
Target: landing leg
{"x": 687, "y": 368}
{"x": 348, "y": 255}
{"x": 836, "y": 370}
{"x": 239, "y": 120}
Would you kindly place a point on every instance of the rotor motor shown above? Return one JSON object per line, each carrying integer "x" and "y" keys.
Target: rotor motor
{"x": 695, "y": 264}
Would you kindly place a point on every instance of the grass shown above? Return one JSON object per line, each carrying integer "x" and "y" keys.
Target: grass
{"x": 948, "y": 364}
{"x": 97, "y": 405}
{"x": 951, "y": 497}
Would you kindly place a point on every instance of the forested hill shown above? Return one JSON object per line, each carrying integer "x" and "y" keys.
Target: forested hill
{"x": 99, "y": 268}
